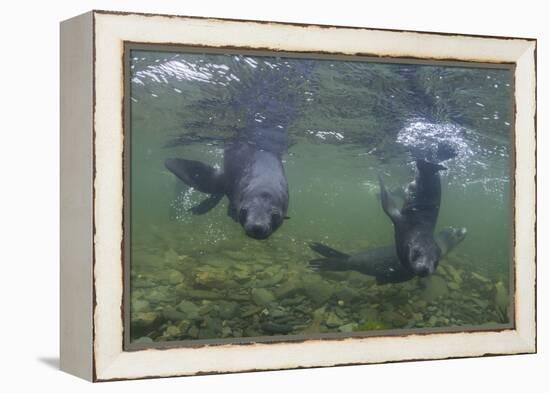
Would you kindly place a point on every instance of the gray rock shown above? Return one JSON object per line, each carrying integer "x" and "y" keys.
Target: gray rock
{"x": 271, "y": 280}
{"x": 143, "y": 340}
{"x": 317, "y": 290}
{"x": 175, "y": 277}
{"x": 348, "y": 328}
{"x": 261, "y": 296}
{"x": 140, "y": 306}
{"x": 201, "y": 294}
{"x": 144, "y": 320}
{"x": 228, "y": 310}
{"x": 333, "y": 320}
{"x": 173, "y": 315}
{"x": 189, "y": 309}
{"x": 276, "y": 328}
{"x": 226, "y": 331}
{"x": 435, "y": 288}
{"x": 172, "y": 332}
{"x": 347, "y": 294}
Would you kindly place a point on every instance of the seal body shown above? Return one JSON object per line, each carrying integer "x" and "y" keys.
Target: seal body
{"x": 415, "y": 222}
{"x": 381, "y": 262}
{"x": 253, "y": 179}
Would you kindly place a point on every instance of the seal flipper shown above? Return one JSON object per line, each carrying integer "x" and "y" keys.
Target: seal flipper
{"x": 327, "y": 252}
{"x": 388, "y": 204}
{"x": 197, "y": 175}
{"x": 334, "y": 260}
{"x": 206, "y": 205}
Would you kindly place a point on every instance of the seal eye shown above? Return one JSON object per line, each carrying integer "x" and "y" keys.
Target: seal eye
{"x": 275, "y": 219}
{"x": 415, "y": 254}
{"x": 243, "y": 213}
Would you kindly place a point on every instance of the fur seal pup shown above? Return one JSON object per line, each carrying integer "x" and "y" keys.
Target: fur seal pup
{"x": 253, "y": 179}
{"x": 380, "y": 262}
{"x": 414, "y": 223}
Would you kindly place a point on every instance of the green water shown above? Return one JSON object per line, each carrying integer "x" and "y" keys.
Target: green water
{"x": 200, "y": 277}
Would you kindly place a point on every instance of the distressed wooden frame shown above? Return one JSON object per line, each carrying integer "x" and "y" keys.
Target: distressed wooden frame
{"x": 92, "y": 189}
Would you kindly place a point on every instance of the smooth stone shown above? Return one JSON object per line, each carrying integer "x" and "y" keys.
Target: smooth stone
{"x": 210, "y": 279}
{"x": 145, "y": 320}
{"x": 479, "y": 277}
{"x": 193, "y": 332}
{"x": 228, "y": 310}
{"x": 237, "y": 255}
{"x": 455, "y": 274}
{"x": 394, "y": 319}
{"x": 140, "y": 305}
{"x": 250, "y": 310}
{"x": 202, "y": 294}
{"x": 226, "y": 331}
{"x": 173, "y": 315}
{"x": 348, "y": 328}
{"x": 271, "y": 281}
{"x": 288, "y": 287}
{"x": 276, "y": 328}
{"x": 155, "y": 296}
{"x": 436, "y": 287}
{"x": 172, "y": 331}
{"x": 171, "y": 256}
{"x": 262, "y": 296}
{"x": 333, "y": 320}
{"x": 189, "y": 309}
{"x": 143, "y": 340}
{"x": 277, "y": 313}
{"x": 143, "y": 283}
{"x": 347, "y": 294}
{"x": 454, "y": 286}
{"x": 175, "y": 277}
{"x": 368, "y": 314}
{"x": 501, "y": 297}
{"x": 184, "y": 325}
{"x": 317, "y": 290}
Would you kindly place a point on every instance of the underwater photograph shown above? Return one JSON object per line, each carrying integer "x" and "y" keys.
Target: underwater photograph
{"x": 284, "y": 196}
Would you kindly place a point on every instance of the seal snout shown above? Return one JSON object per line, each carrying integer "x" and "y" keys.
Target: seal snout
{"x": 258, "y": 231}
{"x": 423, "y": 271}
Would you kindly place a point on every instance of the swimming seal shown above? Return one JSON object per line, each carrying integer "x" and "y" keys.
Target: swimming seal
{"x": 253, "y": 179}
{"x": 414, "y": 223}
{"x": 380, "y": 262}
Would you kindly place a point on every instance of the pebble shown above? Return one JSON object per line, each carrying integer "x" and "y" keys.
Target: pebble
{"x": 262, "y": 296}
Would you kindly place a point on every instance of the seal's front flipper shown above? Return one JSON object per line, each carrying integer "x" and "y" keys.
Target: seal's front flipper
{"x": 327, "y": 252}
{"x": 388, "y": 204}
{"x": 448, "y": 238}
{"x": 206, "y": 205}
{"x": 197, "y": 175}
{"x": 395, "y": 277}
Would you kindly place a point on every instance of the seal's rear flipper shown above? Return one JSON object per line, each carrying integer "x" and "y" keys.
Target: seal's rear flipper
{"x": 330, "y": 264}
{"x": 197, "y": 175}
{"x": 206, "y": 205}
{"x": 327, "y": 252}
{"x": 388, "y": 204}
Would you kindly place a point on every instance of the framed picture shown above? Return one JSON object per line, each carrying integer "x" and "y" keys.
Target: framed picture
{"x": 245, "y": 195}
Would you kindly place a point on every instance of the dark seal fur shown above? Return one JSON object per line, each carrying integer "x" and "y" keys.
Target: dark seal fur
{"x": 253, "y": 179}
{"x": 415, "y": 222}
{"x": 380, "y": 262}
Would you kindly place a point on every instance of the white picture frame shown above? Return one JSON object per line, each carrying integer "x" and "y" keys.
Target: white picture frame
{"x": 92, "y": 193}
